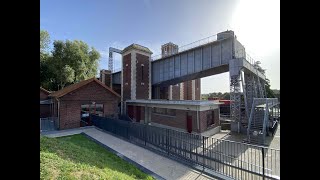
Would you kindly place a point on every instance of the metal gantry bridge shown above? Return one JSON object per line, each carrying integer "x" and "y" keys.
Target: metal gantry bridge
{"x": 214, "y": 55}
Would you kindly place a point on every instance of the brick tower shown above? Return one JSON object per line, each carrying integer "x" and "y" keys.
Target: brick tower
{"x": 136, "y": 78}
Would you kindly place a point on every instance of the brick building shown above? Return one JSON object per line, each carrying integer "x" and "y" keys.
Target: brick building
{"x": 74, "y": 103}
{"x": 136, "y": 92}
{"x": 188, "y": 116}
{"x": 139, "y": 100}
{"x": 44, "y": 105}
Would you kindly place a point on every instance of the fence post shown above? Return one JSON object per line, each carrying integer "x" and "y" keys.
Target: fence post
{"x": 145, "y": 135}
{"x": 167, "y": 141}
{"x": 263, "y": 163}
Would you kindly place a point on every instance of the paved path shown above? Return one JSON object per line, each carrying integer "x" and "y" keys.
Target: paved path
{"x": 162, "y": 166}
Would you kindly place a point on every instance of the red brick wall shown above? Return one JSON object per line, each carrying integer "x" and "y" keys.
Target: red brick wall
{"x": 134, "y": 112}
{"x": 178, "y": 121}
{"x": 107, "y": 80}
{"x": 126, "y": 76}
{"x": 187, "y": 87}
{"x": 164, "y": 92}
{"x": 203, "y": 119}
{"x": 70, "y": 104}
{"x": 43, "y": 95}
{"x": 198, "y": 89}
{"x": 117, "y": 88}
{"x": 176, "y": 92}
{"x": 187, "y": 91}
{"x": 142, "y": 89}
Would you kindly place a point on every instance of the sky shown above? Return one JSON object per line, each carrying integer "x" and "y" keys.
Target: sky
{"x": 151, "y": 23}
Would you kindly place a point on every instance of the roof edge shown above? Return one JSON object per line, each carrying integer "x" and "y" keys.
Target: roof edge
{"x": 43, "y": 89}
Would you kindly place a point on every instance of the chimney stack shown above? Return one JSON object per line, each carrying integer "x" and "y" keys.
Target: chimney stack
{"x": 106, "y": 77}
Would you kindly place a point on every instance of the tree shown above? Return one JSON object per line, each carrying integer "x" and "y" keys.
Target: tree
{"x": 67, "y": 75}
{"x": 45, "y": 73}
{"x": 44, "y": 40}
{"x": 226, "y": 96}
{"x": 73, "y": 61}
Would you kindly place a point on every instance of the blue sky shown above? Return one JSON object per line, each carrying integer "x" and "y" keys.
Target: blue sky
{"x": 151, "y": 23}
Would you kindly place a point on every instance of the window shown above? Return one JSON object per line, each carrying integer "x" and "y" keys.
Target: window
{"x": 142, "y": 66}
{"x": 127, "y": 73}
{"x": 87, "y": 109}
{"x": 165, "y": 111}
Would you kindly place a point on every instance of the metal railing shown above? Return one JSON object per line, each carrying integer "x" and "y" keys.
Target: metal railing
{"x": 189, "y": 46}
{"x": 269, "y": 102}
{"x": 229, "y": 158}
{"x": 241, "y": 53}
{"x": 48, "y": 124}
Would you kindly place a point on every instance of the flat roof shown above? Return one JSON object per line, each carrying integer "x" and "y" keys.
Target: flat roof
{"x": 174, "y": 102}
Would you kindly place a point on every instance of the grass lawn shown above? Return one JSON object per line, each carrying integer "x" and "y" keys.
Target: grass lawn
{"x": 77, "y": 157}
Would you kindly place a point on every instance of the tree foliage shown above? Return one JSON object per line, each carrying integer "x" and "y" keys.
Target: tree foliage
{"x": 219, "y": 95}
{"x": 44, "y": 40}
{"x": 68, "y": 63}
{"x": 45, "y": 73}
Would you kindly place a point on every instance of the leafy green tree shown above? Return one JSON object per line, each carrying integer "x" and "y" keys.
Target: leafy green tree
{"x": 226, "y": 96}
{"x": 69, "y": 62}
{"x": 45, "y": 73}
{"x": 44, "y": 40}
{"x": 73, "y": 61}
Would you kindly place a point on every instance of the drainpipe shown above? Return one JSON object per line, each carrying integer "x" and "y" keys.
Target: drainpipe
{"x": 58, "y": 113}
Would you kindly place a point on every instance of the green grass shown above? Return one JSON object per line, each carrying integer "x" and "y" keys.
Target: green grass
{"x": 77, "y": 157}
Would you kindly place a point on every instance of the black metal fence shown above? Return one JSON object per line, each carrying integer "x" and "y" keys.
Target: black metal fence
{"x": 48, "y": 124}
{"x": 230, "y": 158}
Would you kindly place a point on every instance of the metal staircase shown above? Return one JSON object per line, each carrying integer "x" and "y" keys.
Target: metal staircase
{"x": 259, "y": 119}
{"x": 255, "y": 127}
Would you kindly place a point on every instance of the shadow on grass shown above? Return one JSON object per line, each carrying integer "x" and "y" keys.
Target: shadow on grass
{"x": 80, "y": 150}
